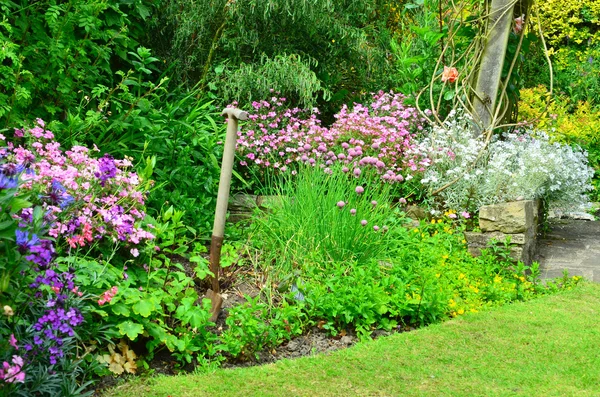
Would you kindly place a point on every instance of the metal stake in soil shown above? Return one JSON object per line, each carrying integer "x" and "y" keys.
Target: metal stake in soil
{"x": 233, "y": 115}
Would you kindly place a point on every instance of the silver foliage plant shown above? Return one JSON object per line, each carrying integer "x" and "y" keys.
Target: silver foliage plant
{"x": 522, "y": 165}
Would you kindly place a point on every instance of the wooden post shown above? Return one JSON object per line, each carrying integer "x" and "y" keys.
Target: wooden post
{"x": 216, "y": 242}
{"x": 492, "y": 61}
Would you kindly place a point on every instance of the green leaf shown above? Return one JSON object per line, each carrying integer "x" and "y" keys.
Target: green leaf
{"x": 144, "y": 307}
{"x": 18, "y": 204}
{"x": 131, "y": 329}
{"x": 121, "y": 310}
{"x": 6, "y": 224}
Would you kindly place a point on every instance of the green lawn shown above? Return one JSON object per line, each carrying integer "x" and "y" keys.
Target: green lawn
{"x": 546, "y": 347}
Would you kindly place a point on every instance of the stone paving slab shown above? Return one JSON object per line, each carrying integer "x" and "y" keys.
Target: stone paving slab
{"x": 573, "y": 245}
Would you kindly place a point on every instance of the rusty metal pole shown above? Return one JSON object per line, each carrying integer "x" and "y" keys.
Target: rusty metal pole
{"x": 216, "y": 242}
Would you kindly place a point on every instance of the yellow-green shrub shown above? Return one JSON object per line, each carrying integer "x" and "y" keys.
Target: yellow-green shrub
{"x": 581, "y": 125}
{"x": 570, "y": 20}
{"x": 572, "y": 31}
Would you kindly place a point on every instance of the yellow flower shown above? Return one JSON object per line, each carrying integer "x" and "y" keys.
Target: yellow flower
{"x": 461, "y": 311}
{"x": 461, "y": 276}
{"x": 445, "y": 256}
{"x": 497, "y": 279}
{"x": 8, "y": 311}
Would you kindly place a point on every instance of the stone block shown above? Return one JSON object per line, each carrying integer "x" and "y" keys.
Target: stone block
{"x": 481, "y": 239}
{"x": 513, "y": 217}
{"x": 417, "y": 213}
{"x": 517, "y": 253}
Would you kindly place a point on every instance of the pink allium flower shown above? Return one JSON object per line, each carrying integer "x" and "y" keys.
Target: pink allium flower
{"x": 402, "y": 200}
{"x": 364, "y": 222}
{"x": 376, "y": 228}
{"x": 340, "y": 204}
{"x": 357, "y": 172}
{"x": 452, "y": 216}
{"x": 373, "y": 203}
{"x": 359, "y": 190}
{"x": 353, "y": 211}
{"x": 465, "y": 214}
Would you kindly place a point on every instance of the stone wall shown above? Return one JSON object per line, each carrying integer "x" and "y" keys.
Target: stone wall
{"x": 517, "y": 219}
{"x": 241, "y": 206}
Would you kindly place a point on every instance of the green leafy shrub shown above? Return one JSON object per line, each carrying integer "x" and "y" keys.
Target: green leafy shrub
{"x": 337, "y": 48}
{"x": 256, "y": 325}
{"x": 54, "y": 54}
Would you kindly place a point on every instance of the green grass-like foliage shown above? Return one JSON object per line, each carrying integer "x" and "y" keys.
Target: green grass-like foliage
{"x": 307, "y": 224}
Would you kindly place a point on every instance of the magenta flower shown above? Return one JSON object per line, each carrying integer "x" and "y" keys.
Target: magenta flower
{"x": 13, "y": 341}
{"x": 359, "y": 190}
{"x": 340, "y": 204}
{"x": 357, "y": 172}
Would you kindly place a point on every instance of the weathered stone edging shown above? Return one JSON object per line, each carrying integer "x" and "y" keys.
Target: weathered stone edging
{"x": 518, "y": 220}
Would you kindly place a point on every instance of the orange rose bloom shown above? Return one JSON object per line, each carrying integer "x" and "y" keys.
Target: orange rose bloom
{"x": 449, "y": 75}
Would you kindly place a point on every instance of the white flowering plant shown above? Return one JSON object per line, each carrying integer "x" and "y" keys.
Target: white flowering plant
{"x": 466, "y": 174}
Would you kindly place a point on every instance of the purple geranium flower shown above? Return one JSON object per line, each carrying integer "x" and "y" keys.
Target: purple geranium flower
{"x": 107, "y": 167}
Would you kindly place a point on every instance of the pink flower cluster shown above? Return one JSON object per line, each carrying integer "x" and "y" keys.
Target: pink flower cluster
{"x": 13, "y": 372}
{"x": 86, "y": 198}
{"x": 108, "y": 295}
{"x": 379, "y": 136}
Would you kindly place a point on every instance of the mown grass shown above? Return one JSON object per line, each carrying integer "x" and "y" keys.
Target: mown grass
{"x": 545, "y": 347}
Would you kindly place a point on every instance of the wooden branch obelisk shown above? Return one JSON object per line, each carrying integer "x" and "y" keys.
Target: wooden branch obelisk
{"x": 492, "y": 62}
